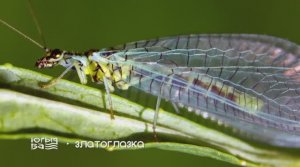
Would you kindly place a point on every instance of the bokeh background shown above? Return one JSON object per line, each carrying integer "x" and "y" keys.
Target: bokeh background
{"x": 80, "y": 25}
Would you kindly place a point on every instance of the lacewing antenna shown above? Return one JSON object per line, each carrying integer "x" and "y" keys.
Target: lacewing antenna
{"x": 24, "y": 35}
{"x": 35, "y": 20}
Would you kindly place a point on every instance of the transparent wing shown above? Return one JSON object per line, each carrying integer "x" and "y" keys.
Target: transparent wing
{"x": 250, "y": 82}
{"x": 240, "y": 42}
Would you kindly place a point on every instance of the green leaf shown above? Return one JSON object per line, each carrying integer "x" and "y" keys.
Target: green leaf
{"x": 74, "y": 112}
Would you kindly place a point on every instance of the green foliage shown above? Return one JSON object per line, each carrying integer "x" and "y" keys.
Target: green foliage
{"x": 71, "y": 111}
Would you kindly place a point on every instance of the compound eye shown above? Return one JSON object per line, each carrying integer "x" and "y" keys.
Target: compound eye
{"x": 56, "y": 53}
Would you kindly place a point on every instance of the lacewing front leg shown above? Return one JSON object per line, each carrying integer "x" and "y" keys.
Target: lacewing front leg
{"x": 106, "y": 85}
{"x": 54, "y": 81}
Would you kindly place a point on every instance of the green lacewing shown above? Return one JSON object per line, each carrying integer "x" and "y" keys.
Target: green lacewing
{"x": 246, "y": 81}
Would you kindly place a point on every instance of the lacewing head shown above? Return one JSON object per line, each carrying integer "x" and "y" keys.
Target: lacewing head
{"x": 50, "y": 59}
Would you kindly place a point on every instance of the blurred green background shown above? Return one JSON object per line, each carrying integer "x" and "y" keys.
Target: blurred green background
{"x": 80, "y": 25}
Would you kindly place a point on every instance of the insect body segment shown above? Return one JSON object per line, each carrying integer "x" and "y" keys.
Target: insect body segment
{"x": 51, "y": 58}
{"x": 90, "y": 63}
{"x": 251, "y": 103}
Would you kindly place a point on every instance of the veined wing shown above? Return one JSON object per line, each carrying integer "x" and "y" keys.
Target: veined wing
{"x": 247, "y": 81}
{"x": 240, "y": 42}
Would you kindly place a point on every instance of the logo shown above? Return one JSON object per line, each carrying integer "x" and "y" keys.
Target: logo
{"x": 44, "y": 143}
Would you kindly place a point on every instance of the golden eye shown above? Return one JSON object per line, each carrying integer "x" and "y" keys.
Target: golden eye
{"x": 57, "y": 56}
